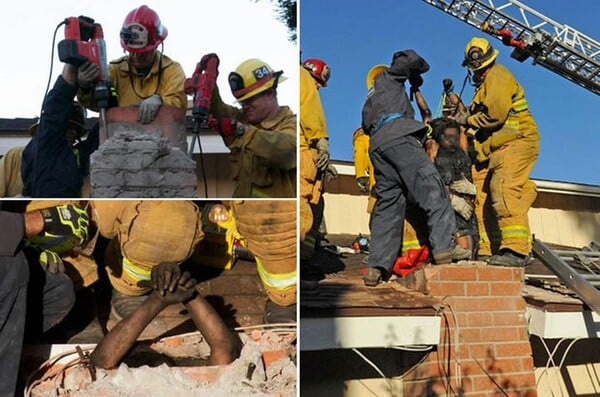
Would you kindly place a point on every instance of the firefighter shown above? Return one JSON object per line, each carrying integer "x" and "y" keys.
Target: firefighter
{"x": 314, "y": 160}
{"x": 60, "y": 228}
{"x": 269, "y": 227}
{"x": 365, "y": 180}
{"x": 507, "y": 144}
{"x": 144, "y": 234}
{"x": 146, "y": 76}
{"x": 261, "y": 135}
{"x": 402, "y": 169}
{"x": 11, "y": 183}
{"x": 55, "y": 162}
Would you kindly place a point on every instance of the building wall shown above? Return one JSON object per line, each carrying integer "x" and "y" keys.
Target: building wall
{"x": 565, "y": 214}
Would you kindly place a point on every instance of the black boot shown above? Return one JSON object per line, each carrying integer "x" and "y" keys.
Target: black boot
{"x": 508, "y": 258}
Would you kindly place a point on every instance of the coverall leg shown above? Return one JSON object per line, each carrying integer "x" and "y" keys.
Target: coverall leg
{"x": 14, "y": 274}
{"x": 401, "y": 167}
{"x": 489, "y": 233}
{"x": 513, "y": 192}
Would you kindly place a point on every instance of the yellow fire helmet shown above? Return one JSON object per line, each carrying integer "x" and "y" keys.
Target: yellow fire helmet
{"x": 252, "y": 77}
{"x": 479, "y": 53}
{"x": 373, "y": 73}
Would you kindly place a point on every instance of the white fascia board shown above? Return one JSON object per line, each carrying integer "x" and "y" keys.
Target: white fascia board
{"x": 364, "y": 332}
{"x": 556, "y": 325}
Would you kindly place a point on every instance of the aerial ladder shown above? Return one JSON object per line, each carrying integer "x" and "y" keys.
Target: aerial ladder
{"x": 557, "y": 47}
{"x": 568, "y": 53}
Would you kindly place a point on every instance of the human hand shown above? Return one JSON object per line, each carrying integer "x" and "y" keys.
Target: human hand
{"x": 165, "y": 277}
{"x": 183, "y": 291}
{"x": 65, "y": 229}
{"x": 330, "y": 173}
{"x": 461, "y": 118}
{"x": 149, "y": 108}
{"x": 363, "y": 183}
{"x": 87, "y": 74}
{"x": 228, "y": 127}
{"x": 322, "y": 154}
{"x": 51, "y": 262}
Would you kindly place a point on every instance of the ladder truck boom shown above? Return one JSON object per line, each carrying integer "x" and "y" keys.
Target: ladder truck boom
{"x": 557, "y": 47}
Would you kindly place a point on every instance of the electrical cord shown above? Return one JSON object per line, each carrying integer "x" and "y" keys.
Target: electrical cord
{"x": 35, "y": 155}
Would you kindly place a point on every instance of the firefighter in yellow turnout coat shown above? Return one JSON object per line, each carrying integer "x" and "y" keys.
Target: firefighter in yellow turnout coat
{"x": 507, "y": 145}
{"x": 314, "y": 157}
{"x": 261, "y": 135}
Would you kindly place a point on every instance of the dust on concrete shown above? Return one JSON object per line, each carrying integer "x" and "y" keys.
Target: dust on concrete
{"x": 246, "y": 376}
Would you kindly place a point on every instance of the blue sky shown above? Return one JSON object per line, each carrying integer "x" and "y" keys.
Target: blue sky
{"x": 352, "y": 36}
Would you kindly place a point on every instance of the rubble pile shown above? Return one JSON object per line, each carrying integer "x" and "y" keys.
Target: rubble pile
{"x": 141, "y": 164}
{"x": 266, "y": 367}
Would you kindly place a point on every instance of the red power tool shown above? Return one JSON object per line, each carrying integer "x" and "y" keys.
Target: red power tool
{"x": 84, "y": 41}
{"x": 201, "y": 86}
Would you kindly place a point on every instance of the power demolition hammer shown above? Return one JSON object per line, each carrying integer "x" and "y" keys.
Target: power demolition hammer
{"x": 84, "y": 41}
{"x": 201, "y": 86}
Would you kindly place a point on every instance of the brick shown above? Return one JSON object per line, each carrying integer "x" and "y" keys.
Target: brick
{"x": 479, "y": 288}
{"x": 514, "y": 318}
{"x": 503, "y": 334}
{"x": 479, "y": 350}
{"x": 272, "y": 356}
{"x": 513, "y": 349}
{"x": 453, "y": 272}
{"x": 469, "y": 335}
{"x": 452, "y": 288}
{"x": 499, "y": 273}
{"x": 479, "y": 319}
{"x": 505, "y": 288}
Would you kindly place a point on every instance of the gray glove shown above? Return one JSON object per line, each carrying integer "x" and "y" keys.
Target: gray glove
{"x": 322, "y": 154}
{"x": 462, "y": 206}
{"x": 87, "y": 74}
{"x": 149, "y": 108}
{"x": 463, "y": 186}
{"x": 330, "y": 173}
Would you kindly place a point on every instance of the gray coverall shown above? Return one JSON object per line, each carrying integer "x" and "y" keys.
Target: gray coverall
{"x": 49, "y": 301}
{"x": 402, "y": 168}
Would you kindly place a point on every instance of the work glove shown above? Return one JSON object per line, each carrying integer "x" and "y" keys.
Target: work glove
{"x": 462, "y": 206}
{"x": 463, "y": 186}
{"x": 65, "y": 229}
{"x": 322, "y": 154}
{"x": 87, "y": 75}
{"x": 330, "y": 173}
{"x": 461, "y": 118}
{"x": 363, "y": 183}
{"x": 51, "y": 262}
{"x": 229, "y": 127}
{"x": 149, "y": 108}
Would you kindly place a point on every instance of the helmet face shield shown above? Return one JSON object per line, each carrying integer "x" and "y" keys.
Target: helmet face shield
{"x": 142, "y": 30}
{"x": 135, "y": 36}
{"x": 479, "y": 54}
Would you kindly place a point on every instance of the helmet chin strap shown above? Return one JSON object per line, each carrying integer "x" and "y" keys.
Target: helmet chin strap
{"x": 160, "y": 72}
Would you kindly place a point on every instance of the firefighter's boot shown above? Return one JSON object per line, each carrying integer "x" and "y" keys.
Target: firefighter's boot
{"x": 277, "y": 314}
{"x": 508, "y": 258}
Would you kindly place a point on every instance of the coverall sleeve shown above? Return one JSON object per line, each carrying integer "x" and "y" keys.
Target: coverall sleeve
{"x": 361, "y": 156}
{"x": 171, "y": 92}
{"x": 50, "y": 136}
{"x": 492, "y": 104}
{"x": 277, "y": 148}
{"x": 312, "y": 117}
{"x": 218, "y": 108}
{"x": 13, "y": 231}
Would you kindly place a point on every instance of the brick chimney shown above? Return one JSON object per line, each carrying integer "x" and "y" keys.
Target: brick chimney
{"x": 484, "y": 344}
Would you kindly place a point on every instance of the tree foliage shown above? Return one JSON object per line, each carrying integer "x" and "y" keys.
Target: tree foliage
{"x": 287, "y": 13}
